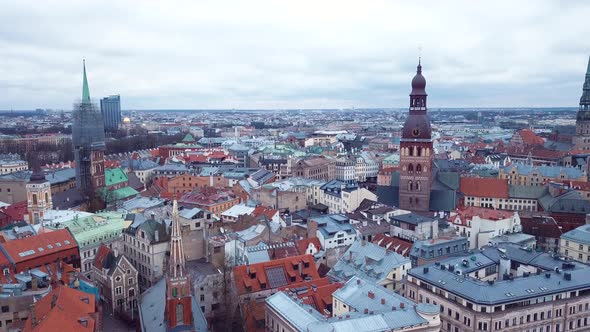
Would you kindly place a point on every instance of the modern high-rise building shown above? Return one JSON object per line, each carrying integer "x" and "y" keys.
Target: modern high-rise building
{"x": 110, "y": 108}
{"x": 582, "y": 138}
{"x": 88, "y": 143}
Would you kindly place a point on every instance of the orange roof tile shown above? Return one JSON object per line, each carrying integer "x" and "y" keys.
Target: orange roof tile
{"x": 530, "y": 138}
{"x": 316, "y": 293}
{"x": 303, "y": 244}
{"x": 467, "y": 213}
{"x": 395, "y": 244}
{"x": 40, "y": 245}
{"x": 63, "y": 309}
{"x": 484, "y": 187}
{"x": 284, "y": 272}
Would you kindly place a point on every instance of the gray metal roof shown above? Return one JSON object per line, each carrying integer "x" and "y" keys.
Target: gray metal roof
{"x": 368, "y": 261}
{"x": 412, "y": 218}
{"x": 526, "y": 192}
{"x": 474, "y": 290}
{"x": 579, "y": 235}
{"x": 355, "y": 293}
{"x": 305, "y": 318}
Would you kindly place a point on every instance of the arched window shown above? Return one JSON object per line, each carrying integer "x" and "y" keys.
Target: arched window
{"x": 179, "y": 314}
{"x": 410, "y": 168}
{"x": 410, "y": 185}
{"x": 34, "y": 199}
{"x": 411, "y": 151}
{"x": 418, "y": 152}
{"x": 46, "y": 198}
{"x": 418, "y": 168}
{"x": 418, "y": 186}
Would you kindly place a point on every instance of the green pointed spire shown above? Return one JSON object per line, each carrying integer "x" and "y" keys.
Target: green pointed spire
{"x": 588, "y": 70}
{"x": 85, "y": 90}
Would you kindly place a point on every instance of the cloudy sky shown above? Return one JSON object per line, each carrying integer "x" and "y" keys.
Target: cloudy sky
{"x": 293, "y": 54}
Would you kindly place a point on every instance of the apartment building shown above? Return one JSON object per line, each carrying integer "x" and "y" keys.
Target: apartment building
{"x": 575, "y": 244}
{"x": 505, "y": 288}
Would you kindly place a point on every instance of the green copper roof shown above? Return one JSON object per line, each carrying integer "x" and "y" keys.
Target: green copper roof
{"x": 115, "y": 195}
{"x": 588, "y": 70}
{"x": 188, "y": 138}
{"x": 85, "y": 90}
{"x": 113, "y": 176}
{"x": 92, "y": 230}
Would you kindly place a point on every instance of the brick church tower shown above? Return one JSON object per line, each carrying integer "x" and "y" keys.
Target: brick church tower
{"x": 416, "y": 153}
{"x": 179, "y": 311}
{"x": 582, "y": 139}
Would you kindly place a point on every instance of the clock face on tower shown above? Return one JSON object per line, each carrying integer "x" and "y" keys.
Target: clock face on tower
{"x": 416, "y": 132}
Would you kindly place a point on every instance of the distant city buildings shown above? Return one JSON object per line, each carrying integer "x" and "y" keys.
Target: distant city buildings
{"x": 110, "y": 109}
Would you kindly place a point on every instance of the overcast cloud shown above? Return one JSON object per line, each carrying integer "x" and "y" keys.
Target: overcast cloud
{"x": 293, "y": 54}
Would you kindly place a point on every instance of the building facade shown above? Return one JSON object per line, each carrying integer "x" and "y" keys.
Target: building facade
{"x": 416, "y": 151}
{"x": 505, "y": 288}
{"x": 575, "y": 244}
{"x": 38, "y": 196}
{"x": 480, "y": 225}
{"x": 146, "y": 246}
{"x": 116, "y": 280}
{"x": 110, "y": 108}
{"x": 10, "y": 163}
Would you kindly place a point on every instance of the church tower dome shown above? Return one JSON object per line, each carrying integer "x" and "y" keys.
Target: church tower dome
{"x": 416, "y": 151}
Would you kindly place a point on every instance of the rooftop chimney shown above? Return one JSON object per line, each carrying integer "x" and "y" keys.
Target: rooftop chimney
{"x": 402, "y": 305}
{"x": 371, "y": 295}
{"x": 53, "y": 300}
{"x": 33, "y": 315}
{"x": 366, "y": 311}
{"x": 300, "y": 268}
{"x": 358, "y": 281}
{"x": 393, "y": 308}
{"x": 382, "y": 301}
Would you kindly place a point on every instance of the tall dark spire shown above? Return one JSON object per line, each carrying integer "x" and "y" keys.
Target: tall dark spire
{"x": 177, "y": 259}
{"x": 585, "y": 99}
{"x": 85, "y": 90}
{"x": 37, "y": 176}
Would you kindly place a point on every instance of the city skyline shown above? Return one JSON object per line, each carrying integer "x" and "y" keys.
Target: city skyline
{"x": 332, "y": 55}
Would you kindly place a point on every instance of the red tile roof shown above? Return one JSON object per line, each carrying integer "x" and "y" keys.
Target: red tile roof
{"x": 303, "y": 244}
{"x": 395, "y": 244}
{"x": 101, "y": 254}
{"x": 467, "y": 213}
{"x": 260, "y": 211}
{"x": 285, "y": 271}
{"x": 316, "y": 293}
{"x": 64, "y": 309}
{"x": 208, "y": 196}
{"x": 578, "y": 185}
{"x": 27, "y": 248}
{"x": 484, "y": 187}
{"x": 16, "y": 211}
{"x": 530, "y": 138}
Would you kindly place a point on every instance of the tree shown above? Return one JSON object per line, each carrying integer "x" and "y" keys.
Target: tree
{"x": 228, "y": 318}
